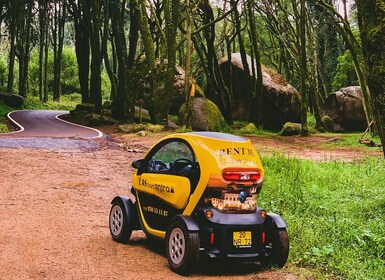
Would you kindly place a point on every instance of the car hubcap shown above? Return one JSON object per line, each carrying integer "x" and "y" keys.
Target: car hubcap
{"x": 116, "y": 220}
{"x": 176, "y": 245}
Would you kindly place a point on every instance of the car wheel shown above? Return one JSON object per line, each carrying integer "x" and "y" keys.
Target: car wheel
{"x": 182, "y": 248}
{"x": 120, "y": 222}
{"x": 279, "y": 248}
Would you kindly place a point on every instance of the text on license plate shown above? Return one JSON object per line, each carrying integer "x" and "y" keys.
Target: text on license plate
{"x": 242, "y": 239}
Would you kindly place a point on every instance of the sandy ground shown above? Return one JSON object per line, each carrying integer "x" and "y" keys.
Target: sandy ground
{"x": 54, "y": 207}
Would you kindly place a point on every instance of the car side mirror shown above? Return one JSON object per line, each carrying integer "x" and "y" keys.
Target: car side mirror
{"x": 138, "y": 164}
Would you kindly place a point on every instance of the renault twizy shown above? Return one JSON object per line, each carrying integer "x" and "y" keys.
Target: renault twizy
{"x": 198, "y": 192}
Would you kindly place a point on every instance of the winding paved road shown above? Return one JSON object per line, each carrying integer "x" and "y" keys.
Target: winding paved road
{"x": 44, "y": 129}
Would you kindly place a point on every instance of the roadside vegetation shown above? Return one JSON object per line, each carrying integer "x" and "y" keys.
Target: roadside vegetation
{"x": 335, "y": 213}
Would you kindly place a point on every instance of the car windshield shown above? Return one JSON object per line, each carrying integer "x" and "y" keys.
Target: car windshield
{"x": 173, "y": 157}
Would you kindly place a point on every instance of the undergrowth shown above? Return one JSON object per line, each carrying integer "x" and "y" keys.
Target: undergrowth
{"x": 335, "y": 213}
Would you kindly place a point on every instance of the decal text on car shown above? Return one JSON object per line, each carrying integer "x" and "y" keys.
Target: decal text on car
{"x": 155, "y": 210}
{"x": 155, "y": 186}
{"x": 236, "y": 151}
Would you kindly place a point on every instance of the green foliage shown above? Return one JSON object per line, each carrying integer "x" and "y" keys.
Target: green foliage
{"x": 346, "y": 74}
{"x": 69, "y": 74}
{"x": 335, "y": 213}
{"x": 3, "y": 73}
{"x": 67, "y": 102}
{"x": 106, "y": 86}
{"x": 4, "y": 110}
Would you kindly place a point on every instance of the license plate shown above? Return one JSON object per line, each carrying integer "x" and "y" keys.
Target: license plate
{"x": 242, "y": 239}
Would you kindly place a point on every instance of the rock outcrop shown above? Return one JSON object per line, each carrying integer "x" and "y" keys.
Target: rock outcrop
{"x": 206, "y": 116}
{"x": 345, "y": 108}
{"x": 12, "y": 100}
{"x": 280, "y": 102}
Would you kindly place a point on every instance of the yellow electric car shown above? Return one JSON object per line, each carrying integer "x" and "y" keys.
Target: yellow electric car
{"x": 198, "y": 192}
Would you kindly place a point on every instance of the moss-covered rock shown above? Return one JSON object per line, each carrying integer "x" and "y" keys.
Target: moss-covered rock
{"x": 206, "y": 116}
{"x": 88, "y": 107}
{"x": 98, "y": 120}
{"x": 328, "y": 123}
{"x": 290, "y": 129}
{"x": 249, "y": 129}
{"x": 12, "y": 100}
{"x": 142, "y": 133}
{"x": 131, "y": 127}
{"x": 135, "y": 128}
{"x": 142, "y": 112}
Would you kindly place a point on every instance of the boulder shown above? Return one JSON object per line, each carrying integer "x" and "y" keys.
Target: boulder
{"x": 248, "y": 129}
{"x": 12, "y": 100}
{"x": 345, "y": 108}
{"x": 290, "y": 129}
{"x": 87, "y": 107}
{"x": 206, "y": 116}
{"x": 280, "y": 101}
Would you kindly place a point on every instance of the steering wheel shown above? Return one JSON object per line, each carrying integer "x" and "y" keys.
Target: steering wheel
{"x": 185, "y": 161}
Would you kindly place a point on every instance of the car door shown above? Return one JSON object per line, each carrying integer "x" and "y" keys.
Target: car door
{"x": 163, "y": 184}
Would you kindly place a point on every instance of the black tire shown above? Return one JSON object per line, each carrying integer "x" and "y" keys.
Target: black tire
{"x": 120, "y": 222}
{"x": 279, "y": 248}
{"x": 182, "y": 248}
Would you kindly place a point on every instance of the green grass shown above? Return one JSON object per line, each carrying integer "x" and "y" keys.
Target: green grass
{"x": 335, "y": 214}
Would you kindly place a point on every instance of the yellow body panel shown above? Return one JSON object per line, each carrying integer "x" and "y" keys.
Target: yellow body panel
{"x": 174, "y": 190}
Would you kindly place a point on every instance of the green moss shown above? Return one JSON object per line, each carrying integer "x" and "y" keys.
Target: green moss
{"x": 328, "y": 123}
{"x": 290, "y": 128}
{"x": 214, "y": 117}
{"x": 248, "y": 129}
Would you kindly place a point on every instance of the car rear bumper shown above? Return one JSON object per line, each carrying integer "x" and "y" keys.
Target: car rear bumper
{"x": 222, "y": 236}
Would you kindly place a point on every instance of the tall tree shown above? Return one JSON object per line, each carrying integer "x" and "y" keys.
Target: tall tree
{"x": 257, "y": 91}
{"x": 81, "y": 17}
{"x": 171, "y": 16}
{"x": 23, "y": 47}
{"x": 12, "y": 10}
{"x": 303, "y": 68}
{"x": 58, "y": 23}
{"x": 95, "y": 82}
{"x": 120, "y": 105}
{"x": 371, "y": 19}
{"x": 43, "y": 24}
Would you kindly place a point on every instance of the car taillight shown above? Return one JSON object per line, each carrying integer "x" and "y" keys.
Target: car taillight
{"x": 242, "y": 175}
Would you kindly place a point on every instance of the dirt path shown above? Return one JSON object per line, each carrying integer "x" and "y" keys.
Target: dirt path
{"x": 54, "y": 207}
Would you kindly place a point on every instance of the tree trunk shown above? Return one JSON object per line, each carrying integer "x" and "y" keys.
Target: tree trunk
{"x": 120, "y": 104}
{"x": 96, "y": 83}
{"x": 24, "y": 50}
{"x": 171, "y": 16}
{"x": 303, "y": 69}
{"x": 257, "y": 75}
{"x": 58, "y": 40}
{"x": 149, "y": 50}
{"x": 82, "y": 46}
{"x": 42, "y": 39}
{"x": 12, "y": 52}
{"x": 112, "y": 76}
{"x": 371, "y": 19}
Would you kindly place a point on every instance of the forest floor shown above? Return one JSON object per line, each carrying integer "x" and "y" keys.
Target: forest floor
{"x": 54, "y": 208}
